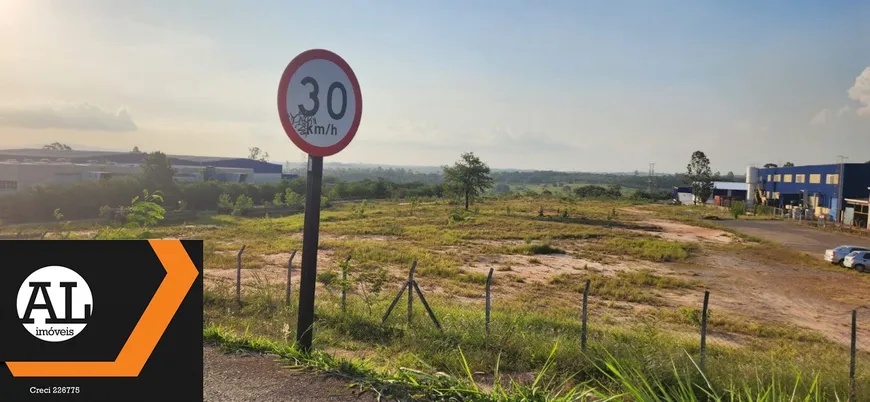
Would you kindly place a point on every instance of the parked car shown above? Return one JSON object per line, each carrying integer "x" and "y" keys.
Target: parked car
{"x": 837, "y": 255}
{"x": 859, "y": 260}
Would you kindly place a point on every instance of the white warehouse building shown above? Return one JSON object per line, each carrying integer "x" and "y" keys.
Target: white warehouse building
{"x": 21, "y": 169}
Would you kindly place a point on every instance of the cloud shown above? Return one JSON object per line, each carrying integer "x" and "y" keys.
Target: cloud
{"x": 747, "y": 127}
{"x": 844, "y": 110}
{"x": 861, "y": 92}
{"x": 82, "y": 116}
{"x": 821, "y": 117}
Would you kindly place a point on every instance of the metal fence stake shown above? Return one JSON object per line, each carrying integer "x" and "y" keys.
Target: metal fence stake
{"x": 411, "y": 286}
{"x": 289, "y": 271}
{"x": 426, "y": 305}
{"x": 239, "y": 275}
{"x": 344, "y": 284}
{"x": 395, "y": 301}
{"x": 488, "y": 300}
{"x": 410, "y": 293}
{"x": 704, "y": 331}
{"x": 583, "y": 317}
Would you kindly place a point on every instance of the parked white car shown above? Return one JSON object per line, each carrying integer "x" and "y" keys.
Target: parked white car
{"x": 838, "y": 255}
{"x": 859, "y": 260}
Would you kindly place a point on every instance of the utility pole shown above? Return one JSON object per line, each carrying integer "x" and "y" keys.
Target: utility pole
{"x": 842, "y": 159}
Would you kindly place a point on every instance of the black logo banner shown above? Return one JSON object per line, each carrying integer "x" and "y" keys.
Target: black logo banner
{"x": 101, "y": 320}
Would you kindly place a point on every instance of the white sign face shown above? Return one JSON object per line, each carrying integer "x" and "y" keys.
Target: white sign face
{"x": 54, "y": 303}
{"x": 321, "y": 103}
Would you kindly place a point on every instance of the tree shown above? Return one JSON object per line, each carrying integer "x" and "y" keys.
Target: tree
{"x": 157, "y": 172}
{"x": 469, "y": 177}
{"x": 770, "y": 165}
{"x": 256, "y": 153}
{"x": 729, "y": 176}
{"x": 136, "y": 150}
{"x": 788, "y": 164}
{"x": 700, "y": 176}
{"x": 56, "y": 146}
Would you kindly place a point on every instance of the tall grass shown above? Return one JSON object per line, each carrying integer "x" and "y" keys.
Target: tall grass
{"x": 618, "y": 381}
{"x": 523, "y": 330}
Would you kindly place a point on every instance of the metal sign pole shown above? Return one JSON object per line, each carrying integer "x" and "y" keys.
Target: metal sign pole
{"x": 320, "y": 107}
{"x": 310, "y": 235}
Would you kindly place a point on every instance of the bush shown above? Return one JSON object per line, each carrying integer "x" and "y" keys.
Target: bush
{"x": 292, "y": 198}
{"x": 278, "y": 199}
{"x": 738, "y": 208}
{"x": 224, "y": 201}
{"x": 242, "y": 204}
{"x": 146, "y": 211}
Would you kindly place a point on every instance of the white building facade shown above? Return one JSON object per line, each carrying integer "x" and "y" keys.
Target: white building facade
{"x": 19, "y": 176}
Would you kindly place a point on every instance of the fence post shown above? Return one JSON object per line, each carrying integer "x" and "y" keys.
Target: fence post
{"x": 239, "y": 275}
{"x": 704, "y": 331}
{"x": 425, "y": 304}
{"x": 853, "y": 392}
{"x": 411, "y": 294}
{"x": 344, "y": 284}
{"x": 488, "y": 300}
{"x": 289, "y": 270}
{"x": 583, "y": 317}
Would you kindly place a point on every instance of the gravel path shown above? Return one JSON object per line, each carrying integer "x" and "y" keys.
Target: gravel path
{"x": 254, "y": 377}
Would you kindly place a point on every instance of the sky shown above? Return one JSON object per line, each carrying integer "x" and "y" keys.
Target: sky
{"x": 558, "y": 85}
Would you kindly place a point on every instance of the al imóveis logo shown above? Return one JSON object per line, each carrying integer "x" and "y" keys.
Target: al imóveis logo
{"x": 55, "y": 303}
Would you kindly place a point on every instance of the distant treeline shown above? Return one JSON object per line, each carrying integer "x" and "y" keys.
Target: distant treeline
{"x": 83, "y": 200}
{"x": 637, "y": 180}
{"x": 400, "y": 175}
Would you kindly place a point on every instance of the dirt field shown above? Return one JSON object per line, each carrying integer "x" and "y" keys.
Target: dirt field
{"x": 252, "y": 377}
{"x": 646, "y": 264}
{"x": 767, "y": 290}
{"x": 803, "y": 239}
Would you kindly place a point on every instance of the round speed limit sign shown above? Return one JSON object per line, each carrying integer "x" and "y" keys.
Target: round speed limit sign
{"x": 319, "y": 102}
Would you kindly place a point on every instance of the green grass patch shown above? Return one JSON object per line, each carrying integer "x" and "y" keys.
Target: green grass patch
{"x": 649, "y": 249}
{"x": 634, "y": 286}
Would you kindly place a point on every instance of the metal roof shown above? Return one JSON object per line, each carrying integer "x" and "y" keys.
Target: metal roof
{"x": 53, "y": 154}
{"x": 728, "y": 185}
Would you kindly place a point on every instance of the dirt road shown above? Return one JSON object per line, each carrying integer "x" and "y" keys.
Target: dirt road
{"x": 253, "y": 377}
{"x": 772, "y": 290}
{"x": 796, "y": 237}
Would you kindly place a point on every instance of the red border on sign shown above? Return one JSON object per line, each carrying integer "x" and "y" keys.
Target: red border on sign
{"x": 297, "y": 139}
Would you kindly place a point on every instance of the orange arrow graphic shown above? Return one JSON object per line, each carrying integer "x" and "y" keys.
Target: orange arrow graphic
{"x": 180, "y": 275}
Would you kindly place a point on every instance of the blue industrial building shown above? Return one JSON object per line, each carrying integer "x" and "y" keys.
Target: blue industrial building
{"x": 830, "y": 191}
{"x": 102, "y": 157}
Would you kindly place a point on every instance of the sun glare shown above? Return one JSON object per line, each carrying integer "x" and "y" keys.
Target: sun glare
{"x": 11, "y": 11}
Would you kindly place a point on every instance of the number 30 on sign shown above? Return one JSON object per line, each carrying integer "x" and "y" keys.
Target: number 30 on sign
{"x": 319, "y": 102}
